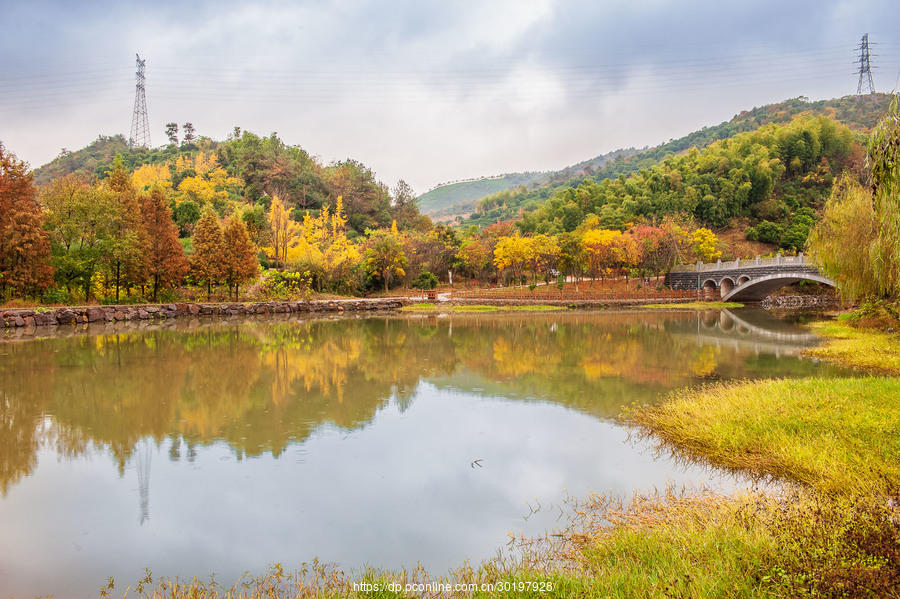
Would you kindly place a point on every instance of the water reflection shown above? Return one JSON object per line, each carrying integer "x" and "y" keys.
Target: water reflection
{"x": 242, "y": 444}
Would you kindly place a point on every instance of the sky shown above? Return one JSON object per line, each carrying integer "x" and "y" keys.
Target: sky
{"x": 426, "y": 91}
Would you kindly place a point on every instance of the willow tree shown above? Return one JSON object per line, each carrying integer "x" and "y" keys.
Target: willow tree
{"x": 842, "y": 241}
{"x": 855, "y": 243}
{"x": 884, "y": 166}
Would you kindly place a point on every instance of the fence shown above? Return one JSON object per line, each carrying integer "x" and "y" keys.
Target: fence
{"x": 799, "y": 259}
{"x": 551, "y": 293}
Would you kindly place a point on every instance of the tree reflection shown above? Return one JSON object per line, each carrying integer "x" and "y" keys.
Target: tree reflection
{"x": 262, "y": 386}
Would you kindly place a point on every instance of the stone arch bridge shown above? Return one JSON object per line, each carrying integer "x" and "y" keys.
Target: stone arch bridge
{"x": 745, "y": 280}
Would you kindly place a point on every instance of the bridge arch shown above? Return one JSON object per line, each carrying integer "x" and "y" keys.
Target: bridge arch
{"x": 726, "y": 286}
{"x": 755, "y": 290}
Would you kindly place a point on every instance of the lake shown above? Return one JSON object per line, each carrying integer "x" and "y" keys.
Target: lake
{"x": 201, "y": 446}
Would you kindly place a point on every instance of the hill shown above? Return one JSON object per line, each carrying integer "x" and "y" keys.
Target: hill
{"x": 243, "y": 170}
{"x": 463, "y": 193}
{"x": 461, "y": 197}
{"x": 859, "y": 113}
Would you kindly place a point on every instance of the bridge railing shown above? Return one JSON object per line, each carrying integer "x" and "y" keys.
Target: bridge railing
{"x": 799, "y": 259}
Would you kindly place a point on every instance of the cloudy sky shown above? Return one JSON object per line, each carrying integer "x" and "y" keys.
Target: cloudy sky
{"x": 423, "y": 90}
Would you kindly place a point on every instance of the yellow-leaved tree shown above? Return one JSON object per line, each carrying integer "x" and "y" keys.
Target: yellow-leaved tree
{"x": 514, "y": 252}
{"x": 705, "y": 242}
{"x": 604, "y": 250}
{"x": 284, "y": 231}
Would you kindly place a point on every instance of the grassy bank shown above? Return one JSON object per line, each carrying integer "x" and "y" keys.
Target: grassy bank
{"x": 695, "y": 306}
{"x": 866, "y": 349}
{"x": 833, "y": 435}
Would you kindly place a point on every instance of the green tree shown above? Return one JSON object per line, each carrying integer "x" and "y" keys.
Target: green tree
{"x": 80, "y": 220}
{"x": 384, "y": 257}
{"x": 125, "y": 254}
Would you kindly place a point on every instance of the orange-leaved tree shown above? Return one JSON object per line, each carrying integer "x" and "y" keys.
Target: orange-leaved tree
{"x": 241, "y": 264}
{"x": 166, "y": 263}
{"x": 24, "y": 247}
{"x": 208, "y": 241}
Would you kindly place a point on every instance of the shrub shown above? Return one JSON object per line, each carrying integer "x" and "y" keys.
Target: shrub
{"x": 425, "y": 280}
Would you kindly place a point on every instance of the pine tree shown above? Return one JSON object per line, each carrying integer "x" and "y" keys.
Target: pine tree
{"x": 241, "y": 264}
{"x": 166, "y": 263}
{"x": 24, "y": 246}
{"x": 207, "y": 262}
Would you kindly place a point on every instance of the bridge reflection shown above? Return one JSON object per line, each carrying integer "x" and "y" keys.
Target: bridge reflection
{"x": 752, "y": 329}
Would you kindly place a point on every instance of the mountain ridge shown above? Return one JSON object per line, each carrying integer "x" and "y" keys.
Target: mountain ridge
{"x": 859, "y": 113}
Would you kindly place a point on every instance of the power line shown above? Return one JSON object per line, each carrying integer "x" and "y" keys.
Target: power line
{"x": 140, "y": 124}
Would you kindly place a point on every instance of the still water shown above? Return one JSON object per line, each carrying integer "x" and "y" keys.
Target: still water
{"x": 220, "y": 447}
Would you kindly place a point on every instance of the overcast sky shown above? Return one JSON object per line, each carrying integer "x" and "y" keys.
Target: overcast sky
{"x": 422, "y": 90}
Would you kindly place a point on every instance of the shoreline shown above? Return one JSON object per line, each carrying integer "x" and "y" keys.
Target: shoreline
{"x": 30, "y": 318}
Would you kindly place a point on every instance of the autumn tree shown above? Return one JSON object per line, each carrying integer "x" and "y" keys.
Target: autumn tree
{"x": 513, "y": 253}
{"x": 207, "y": 261}
{"x": 544, "y": 255}
{"x": 284, "y": 230}
{"x": 603, "y": 251}
{"x": 571, "y": 255}
{"x": 842, "y": 241}
{"x": 705, "y": 242}
{"x": 476, "y": 256}
{"x": 24, "y": 248}
{"x": 884, "y": 164}
{"x": 166, "y": 263}
{"x": 384, "y": 257}
{"x": 240, "y": 264}
{"x": 125, "y": 254}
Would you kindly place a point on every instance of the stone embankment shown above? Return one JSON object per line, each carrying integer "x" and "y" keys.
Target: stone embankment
{"x": 98, "y": 314}
{"x": 825, "y": 300}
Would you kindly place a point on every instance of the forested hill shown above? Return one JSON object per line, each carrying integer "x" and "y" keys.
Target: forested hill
{"x": 461, "y": 197}
{"x": 859, "y": 113}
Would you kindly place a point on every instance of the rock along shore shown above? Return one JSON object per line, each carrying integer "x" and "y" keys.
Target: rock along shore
{"x": 71, "y": 315}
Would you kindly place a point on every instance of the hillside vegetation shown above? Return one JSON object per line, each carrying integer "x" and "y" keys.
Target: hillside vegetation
{"x": 461, "y": 198}
{"x": 455, "y": 198}
{"x": 859, "y": 113}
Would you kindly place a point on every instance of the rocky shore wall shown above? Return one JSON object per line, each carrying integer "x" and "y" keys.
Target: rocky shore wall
{"x": 36, "y": 317}
{"x": 801, "y": 301}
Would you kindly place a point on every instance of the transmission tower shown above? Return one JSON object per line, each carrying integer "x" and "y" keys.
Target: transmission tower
{"x": 142, "y": 455}
{"x": 865, "y": 67}
{"x": 140, "y": 124}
